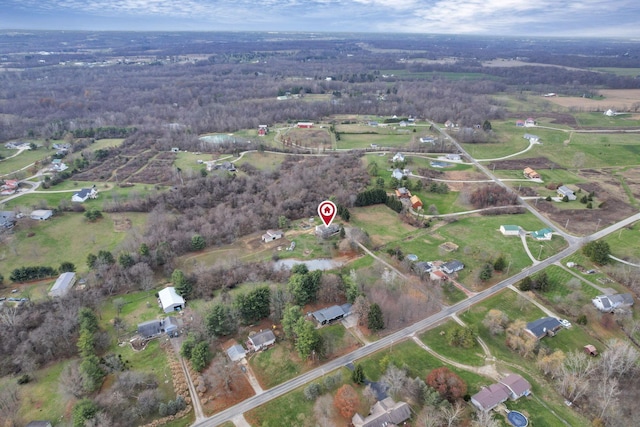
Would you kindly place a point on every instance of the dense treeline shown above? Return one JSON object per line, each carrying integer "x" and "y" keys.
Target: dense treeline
{"x": 492, "y": 195}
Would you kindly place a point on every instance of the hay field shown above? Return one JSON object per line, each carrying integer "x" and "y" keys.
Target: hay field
{"x": 617, "y": 99}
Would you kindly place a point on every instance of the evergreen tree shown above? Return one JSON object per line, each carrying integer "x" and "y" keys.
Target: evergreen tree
{"x": 220, "y": 321}
{"x": 126, "y": 260}
{"x": 499, "y": 264}
{"x": 357, "y": 376}
{"x": 308, "y": 338}
{"x": 143, "y": 250}
{"x": 83, "y": 411}
{"x": 181, "y": 283}
{"x": 526, "y": 284}
{"x": 198, "y": 243}
{"x": 487, "y": 272}
{"x": 375, "y": 319}
{"x": 65, "y": 267}
{"x": 200, "y": 356}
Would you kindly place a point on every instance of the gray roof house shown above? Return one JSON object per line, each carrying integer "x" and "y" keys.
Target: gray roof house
{"x": 384, "y": 413}
{"x": 452, "y": 266}
{"x": 272, "y": 235}
{"x": 566, "y": 191}
{"x": 236, "y": 352}
{"x": 326, "y": 232}
{"x": 545, "y": 326}
{"x": 261, "y": 340}
{"x": 41, "y": 214}
{"x": 608, "y": 303}
{"x": 7, "y": 219}
{"x": 397, "y": 174}
{"x": 63, "y": 284}
{"x": 330, "y": 314}
{"x": 422, "y": 267}
{"x": 152, "y": 328}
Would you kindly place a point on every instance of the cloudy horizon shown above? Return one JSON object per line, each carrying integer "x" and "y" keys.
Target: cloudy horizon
{"x": 587, "y": 18}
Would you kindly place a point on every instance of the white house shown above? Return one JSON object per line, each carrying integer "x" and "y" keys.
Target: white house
{"x": 170, "y": 300}
{"x": 398, "y": 157}
{"x": 510, "y": 230}
{"x": 534, "y": 139}
{"x": 261, "y": 340}
{"x": 272, "y": 235}
{"x": 452, "y": 266}
{"x": 427, "y": 139}
{"x": 453, "y": 157}
{"x": 41, "y": 214}
{"x": 566, "y": 191}
{"x": 84, "y": 194}
{"x": 63, "y": 284}
{"x": 608, "y": 303}
{"x": 530, "y": 122}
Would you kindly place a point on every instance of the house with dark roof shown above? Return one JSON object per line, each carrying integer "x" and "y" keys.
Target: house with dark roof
{"x": 331, "y": 314}
{"x": 326, "y": 232}
{"x": 422, "y": 267}
{"x": 63, "y": 284}
{"x": 452, "y": 266}
{"x": 403, "y": 193}
{"x": 261, "y": 340}
{"x": 384, "y": 413}
{"x": 490, "y": 397}
{"x": 84, "y": 194}
{"x": 152, "y": 328}
{"x": 545, "y": 326}
{"x": 608, "y": 303}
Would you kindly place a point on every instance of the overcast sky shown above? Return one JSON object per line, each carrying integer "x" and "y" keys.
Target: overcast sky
{"x": 589, "y": 18}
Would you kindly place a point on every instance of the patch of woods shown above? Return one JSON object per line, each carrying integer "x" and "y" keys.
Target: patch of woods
{"x": 491, "y": 196}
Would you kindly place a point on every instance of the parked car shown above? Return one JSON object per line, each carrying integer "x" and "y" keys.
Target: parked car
{"x": 565, "y": 323}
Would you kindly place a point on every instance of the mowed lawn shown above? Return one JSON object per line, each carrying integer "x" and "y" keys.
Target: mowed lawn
{"x": 381, "y": 223}
{"x": 364, "y": 140}
{"x": 13, "y": 164}
{"x": 262, "y": 161}
{"x": 66, "y": 237}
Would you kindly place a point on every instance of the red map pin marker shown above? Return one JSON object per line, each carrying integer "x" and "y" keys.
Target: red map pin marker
{"x": 327, "y": 211}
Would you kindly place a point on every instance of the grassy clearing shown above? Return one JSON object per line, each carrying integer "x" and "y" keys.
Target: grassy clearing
{"x": 597, "y": 119}
{"x": 415, "y": 162}
{"x": 41, "y": 398}
{"x": 292, "y": 409}
{"x": 22, "y": 160}
{"x": 189, "y": 161}
{"x": 436, "y": 340}
{"x": 62, "y": 231}
{"x": 418, "y": 361}
{"x": 452, "y": 295}
{"x": 275, "y": 365}
{"x": 364, "y": 140}
{"x": 262, "y": 161}
{"x": 560, "y": 277}
{"x": 625, "y": 243}
{"x": 381, "y": 223}
{"x": 631, "y": 72}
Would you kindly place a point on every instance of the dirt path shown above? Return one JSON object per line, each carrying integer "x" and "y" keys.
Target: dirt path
{"x": 523, "y": 236}
{"x": 489, "y": 370}
{"x": 484, "y": 345}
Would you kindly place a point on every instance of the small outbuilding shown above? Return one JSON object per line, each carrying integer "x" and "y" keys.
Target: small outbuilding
{"x": 331, "y": 314}
{"x": 170, "y": 300}
{"x": 591, "y": 350}
{"x": 416, "y": 203}
{"x": 63, "y": 284}
{"x": 510, "y": 230}
{"x": 272, "y": 235}
{"x": 41, "y": 214}
{"x": 236, "y": 352}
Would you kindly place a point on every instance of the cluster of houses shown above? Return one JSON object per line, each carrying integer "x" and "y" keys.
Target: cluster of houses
{"x": 438, "y": 271}
{"x": 9, "y": 187}
{"x": 170, "y": 302}
{"x": 513, "y": 387}
{"x": 404, "y": 193}
{"x": 515, "y": 230}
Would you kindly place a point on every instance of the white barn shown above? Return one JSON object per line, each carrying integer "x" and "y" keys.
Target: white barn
{"x": 170, "y": 300}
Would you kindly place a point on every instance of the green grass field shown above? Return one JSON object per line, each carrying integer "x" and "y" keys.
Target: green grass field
{"x": 625, "y": 243}
{"x": 275, "y": 365}
{"x": 434, "y": 338}
{"x": 13, "y": 164}
{"x": 62, "y": 231}
{"x": 262, "y": 161}
{"x": 597, "y": 119}
{"x": 632, "y": 72}
{"x": 364, "y": 140}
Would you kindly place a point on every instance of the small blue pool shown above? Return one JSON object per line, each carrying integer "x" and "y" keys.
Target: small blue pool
{"x": 517, "y": 419}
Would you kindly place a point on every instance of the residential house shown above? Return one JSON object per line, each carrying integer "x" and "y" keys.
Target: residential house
{"x": 608, "y": 303}
{"x": 416, "y": 203}
{"x": 517, "y": 386}
{"x": 544, "y": 234}
{"x": 398, "y": 174}
{"x": 152, "y": 328}
{"x": 427, "y": 140}
{"x": 520, "y": 123}
{"x": 591, "y": 350}
{"x": 530, "y": 173}
{"x": 422, "y": 267}
{"x": 272, "y": 235}
{"x": 534, "y": 139}
{"x": 263, "y": 130}
{"x": 63, "y": 284}
{"x": 58, "y": 166}
{"x": 305, "y": 125}
{"x": 530, "y": 122}
{"x": 228, "y": 166}
{"x": 545, "y": 326}
{"x": 331, "y": 314}
{"x": 372, "y": 123}
{"x": 566, "y": 191}
{"x": 398, "y": 157}
{"x": 84, "y": 194}
{"x": 170, "y": 300}
{"x": 510, "y": 230}
{"x": 61, "y": 147}
{"x": 41, "y": 214}
{"x": 449, "y": 124}
{"x": 403, "y": 193}
{"x": 236, "y": 352}
{"x": 490, "y": 397}
{"x": 452, "y": 266}
{"x": 384, "y": 413}
{"x": 326, "y": 232}
{"x": 175, "y": 149}
{"x": 261, "y": 340}
{"x": 9, "y": 187}
{"x": 7, "y": 219}
{"x": 454, "y": 157}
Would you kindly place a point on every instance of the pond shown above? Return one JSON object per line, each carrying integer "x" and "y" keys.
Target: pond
{"x": 312, "y": 264}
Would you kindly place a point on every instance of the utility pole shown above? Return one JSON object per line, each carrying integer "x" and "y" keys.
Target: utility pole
{"x": 540, "y": 253}
{"x": 598, "y": 226}
{"x": 566, "y": 226}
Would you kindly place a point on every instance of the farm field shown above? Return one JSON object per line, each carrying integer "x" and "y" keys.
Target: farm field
{"x": 62, "y": 231}
{"x": 619, "y": 99}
